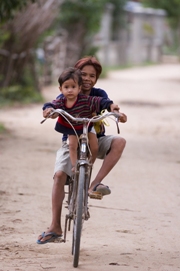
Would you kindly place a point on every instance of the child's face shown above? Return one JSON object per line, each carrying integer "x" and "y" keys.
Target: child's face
{"x": 70, "y": 89}
{"x": 88, "y": 74}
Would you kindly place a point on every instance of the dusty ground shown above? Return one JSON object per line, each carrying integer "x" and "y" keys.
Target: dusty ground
{"x": 137, "y": 227}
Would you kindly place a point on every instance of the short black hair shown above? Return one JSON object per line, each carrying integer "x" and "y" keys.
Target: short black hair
{"x": 70, "y": 73}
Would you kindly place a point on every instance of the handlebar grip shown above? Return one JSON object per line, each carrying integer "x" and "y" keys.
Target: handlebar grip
{"x": 47, "y": 117}
{"x": 43, "y": 121}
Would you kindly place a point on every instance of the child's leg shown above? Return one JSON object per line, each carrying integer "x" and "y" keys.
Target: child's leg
{"x": 73, "y": 145}
{"x": 93, "y": 143}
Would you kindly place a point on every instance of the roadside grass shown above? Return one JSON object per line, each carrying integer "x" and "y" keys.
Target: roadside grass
{"x": 18, "y": 95}
{"x": 107, "y": 69}
{"x": 2, "y": 128}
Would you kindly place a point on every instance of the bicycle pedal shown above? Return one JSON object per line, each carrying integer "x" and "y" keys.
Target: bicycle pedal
{"x": 95, "y": 195}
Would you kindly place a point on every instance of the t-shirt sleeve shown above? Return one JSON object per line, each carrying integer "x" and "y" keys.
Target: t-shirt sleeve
{"x": 94, "y": 103}
{"x": 100, "y": 93}
{"x": 98, "y": 103}
{"x": 56, "y": 104}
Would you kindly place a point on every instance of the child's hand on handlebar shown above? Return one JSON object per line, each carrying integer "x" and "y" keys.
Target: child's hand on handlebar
{"x": 48, "y": 111}
{"x": 123, "y": 117}
{"x": 115, "y": 108}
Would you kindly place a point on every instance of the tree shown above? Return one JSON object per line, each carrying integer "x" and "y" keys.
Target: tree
{"x": 172, "y": 8}
{"x": 19, "y": 36}
{"x": 24, "y": 22}
{"x": 82, "y": 19}
{"x": 118, "y": 18}
{"x": 9, "y": 7}
{"x": 173, "y": 12}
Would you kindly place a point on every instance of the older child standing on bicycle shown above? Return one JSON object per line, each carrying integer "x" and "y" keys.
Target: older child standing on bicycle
{"x": 78, "y": 105}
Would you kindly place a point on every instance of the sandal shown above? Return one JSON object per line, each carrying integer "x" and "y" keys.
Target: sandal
{"x": 53, "y": 237}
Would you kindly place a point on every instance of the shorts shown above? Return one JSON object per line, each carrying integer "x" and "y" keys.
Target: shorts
{"x": 92, "y": 130}
{"x": 63, "y": 162}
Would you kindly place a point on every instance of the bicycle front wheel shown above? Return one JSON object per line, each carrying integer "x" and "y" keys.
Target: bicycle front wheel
{"x": 78, "y": 219}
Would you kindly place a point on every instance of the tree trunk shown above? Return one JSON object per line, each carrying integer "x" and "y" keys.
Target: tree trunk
{"x": 24, "y": 31}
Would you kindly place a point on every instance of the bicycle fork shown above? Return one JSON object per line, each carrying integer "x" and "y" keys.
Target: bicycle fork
{"x": 73, "y": 194}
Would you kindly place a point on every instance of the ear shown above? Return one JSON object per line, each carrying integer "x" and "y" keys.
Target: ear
{"x": 60, "y": 88}
{"x": 80, "y": 88}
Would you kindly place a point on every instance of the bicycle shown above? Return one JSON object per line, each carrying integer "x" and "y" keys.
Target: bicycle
{"x": 78, "y": 183}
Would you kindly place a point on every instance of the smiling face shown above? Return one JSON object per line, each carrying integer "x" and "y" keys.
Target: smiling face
{"x": 88, "y": 74}
{"x": 70, "y": 89}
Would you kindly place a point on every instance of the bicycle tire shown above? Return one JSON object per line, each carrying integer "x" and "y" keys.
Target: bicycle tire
{"x": 78, "y": 219}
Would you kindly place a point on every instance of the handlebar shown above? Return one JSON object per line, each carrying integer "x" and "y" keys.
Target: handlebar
{"x": 86, "y": 120}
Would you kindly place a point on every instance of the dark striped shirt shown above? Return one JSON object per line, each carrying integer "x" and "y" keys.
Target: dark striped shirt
{"x": 94, "y": 92}
{"x": 82, "y": 108}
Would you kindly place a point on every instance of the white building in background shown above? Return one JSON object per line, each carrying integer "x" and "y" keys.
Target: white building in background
{"x": 139, "y": 42}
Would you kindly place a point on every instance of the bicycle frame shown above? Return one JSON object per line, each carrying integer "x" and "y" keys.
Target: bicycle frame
{"x": 78, "y": 194}
{"x": 79, "y": 182}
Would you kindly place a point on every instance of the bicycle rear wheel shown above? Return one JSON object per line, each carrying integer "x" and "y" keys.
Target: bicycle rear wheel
{"x": 79, "y": 216}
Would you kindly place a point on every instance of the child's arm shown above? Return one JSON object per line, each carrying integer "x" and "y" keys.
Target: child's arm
{"x": 47, "y": 111}
{"x": 110, "y": 106}
{"x": 113, "y": 108}
{"x": 48, "y": 108}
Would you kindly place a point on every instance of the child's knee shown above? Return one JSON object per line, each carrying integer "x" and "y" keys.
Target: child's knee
{"x": 72, "y": 147}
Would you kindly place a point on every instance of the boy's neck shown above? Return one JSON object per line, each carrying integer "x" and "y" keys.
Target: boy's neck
{"x": 86, "y": 92}
{"x": 70, "y": 103}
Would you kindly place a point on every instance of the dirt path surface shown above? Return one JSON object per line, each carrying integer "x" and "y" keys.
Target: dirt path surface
{"x": 137, "y": 227}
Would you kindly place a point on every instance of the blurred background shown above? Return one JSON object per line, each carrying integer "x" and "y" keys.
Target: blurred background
{"x": 39, "y": 38}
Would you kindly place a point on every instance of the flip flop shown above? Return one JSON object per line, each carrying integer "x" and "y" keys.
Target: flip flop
{"x": 99, "y": 191}
{"x": 55, "y": 238}
{"x": 42, "y": 234}
{"x": 103, "y": 189}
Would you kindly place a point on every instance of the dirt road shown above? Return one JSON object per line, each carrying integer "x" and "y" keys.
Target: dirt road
{"x": 137, "y": 227}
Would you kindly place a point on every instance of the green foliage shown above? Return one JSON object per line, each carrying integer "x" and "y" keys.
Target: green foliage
{"x": 9, "y": 7}
{"x": 148, "y": 29}
{"x": 89, "y": 13}
{"x": 171, "y": 7}
{"x": 26, "y": 78}
{"x": 23, "y": 92}
{"x": 91, "y": 51}
{"x": 2, "y": 128}
{"x": 4, "y": 36}
{"x": 17, "y": 93}
{"x": 107, "y": 69}
{"x": 86, "y": 12}
{"x": 118, "y": 20}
